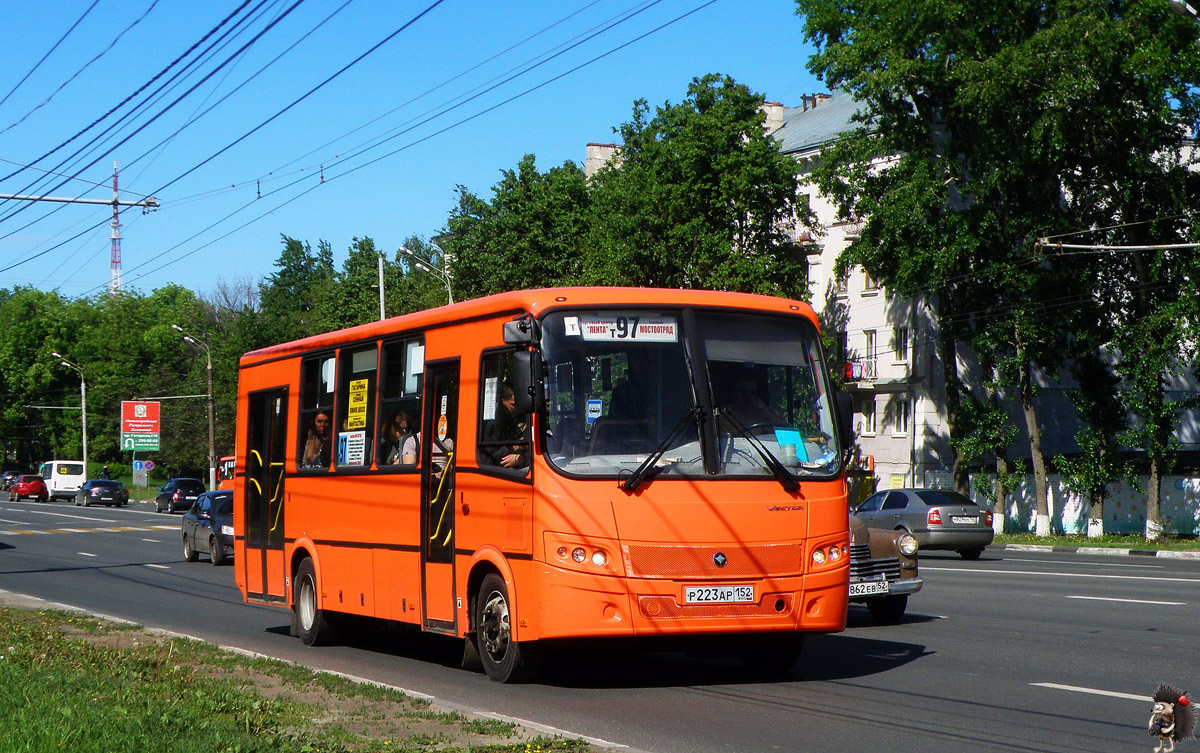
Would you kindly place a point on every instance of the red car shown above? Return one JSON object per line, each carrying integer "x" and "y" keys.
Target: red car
{"x": 29, "y": 486}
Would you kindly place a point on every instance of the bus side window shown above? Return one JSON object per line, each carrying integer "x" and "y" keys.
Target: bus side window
{"x": 402, "y": 371}
{"x": 316, "y": 413}
{"x": 356, "y": 407}
{"x": 503, "y": 435}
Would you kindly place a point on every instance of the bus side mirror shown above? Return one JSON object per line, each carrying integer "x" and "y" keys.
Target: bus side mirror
{"x": 845, "y": 419}
{"x": 521, "y": 331}
{"x": 526, "y": 376}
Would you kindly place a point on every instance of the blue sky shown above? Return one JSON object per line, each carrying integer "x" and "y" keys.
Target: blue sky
{"x": 380, "y": 133}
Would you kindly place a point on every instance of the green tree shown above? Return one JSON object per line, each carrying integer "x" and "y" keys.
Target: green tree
{"x": 986, "y": 127}
{"x": 699, "y": 197}
{"x": 529, "y": 235}
{"x": 290, "y": 296}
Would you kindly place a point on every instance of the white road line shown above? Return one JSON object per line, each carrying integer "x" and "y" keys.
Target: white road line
{"x": 87, "y": 554}
{"x": 65, "y": 515}
{"x": 1058, "y": 574}
{"x": 1082, "y": 563}
{"x": 1092, "y": 691}
{"x": 1131, "y": 601}
{"x": 157, "y": 567}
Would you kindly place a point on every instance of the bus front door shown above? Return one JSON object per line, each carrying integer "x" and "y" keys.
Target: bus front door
{"x": 438, "y": 462}
{"x": 265, "y": 571}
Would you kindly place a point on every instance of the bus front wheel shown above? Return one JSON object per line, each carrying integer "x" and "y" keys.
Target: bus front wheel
{"x": 504, "y": 660}
{"x": 312, "y": 624}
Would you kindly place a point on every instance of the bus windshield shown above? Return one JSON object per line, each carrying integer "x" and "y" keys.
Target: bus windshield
{"x": 744, "y": 391}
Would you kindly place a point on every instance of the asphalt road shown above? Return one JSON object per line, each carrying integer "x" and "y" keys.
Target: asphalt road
{"x": 1018, "y": 651}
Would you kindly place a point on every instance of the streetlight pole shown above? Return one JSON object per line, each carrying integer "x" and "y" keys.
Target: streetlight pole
{"x": 442, "y": 275}
{"x": 82, "y": 402}
{"x": 212, "y": 427}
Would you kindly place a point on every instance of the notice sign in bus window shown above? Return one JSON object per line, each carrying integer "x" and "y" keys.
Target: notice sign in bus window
{"x": 352, "y": 448}
{"x": 356, "y": 415}
{"x": 629, "y": 326}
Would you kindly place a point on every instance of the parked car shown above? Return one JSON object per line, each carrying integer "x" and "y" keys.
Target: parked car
{"x": 179, "y": 494}
{"x": 8, "y": 477}
{"x": 883, "y": 570}
{"x": 29, "y": 486}
{"x": 99, "y": 491}
{"x": 208, "y": 527}
{"x": 938, "y": 518}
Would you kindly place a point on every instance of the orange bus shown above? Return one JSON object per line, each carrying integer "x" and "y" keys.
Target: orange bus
{"x": 568, "y": 463}
{"x": 225, "y": 470}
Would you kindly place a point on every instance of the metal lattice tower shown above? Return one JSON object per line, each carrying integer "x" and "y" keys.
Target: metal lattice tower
{"x": 114, "y": 282}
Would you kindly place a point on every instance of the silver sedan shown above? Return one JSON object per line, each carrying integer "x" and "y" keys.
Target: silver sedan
{"x": 938, "y": 518}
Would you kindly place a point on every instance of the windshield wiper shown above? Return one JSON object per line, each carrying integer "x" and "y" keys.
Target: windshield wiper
{"x": 785, "y": 477}
{"x": 650, "y": 464}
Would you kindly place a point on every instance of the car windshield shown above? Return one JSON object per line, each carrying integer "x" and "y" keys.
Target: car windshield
{"x": 625, "y": 384}
{"x": 222, "y": 504}
{"x": 938, "y": 498}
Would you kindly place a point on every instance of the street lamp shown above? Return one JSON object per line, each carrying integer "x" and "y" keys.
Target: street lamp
{"x": 1184, "y": 9}
{"x": 82, "y": 401}
{"x": 443, "y": 274}
{"x": 212, "y": 429}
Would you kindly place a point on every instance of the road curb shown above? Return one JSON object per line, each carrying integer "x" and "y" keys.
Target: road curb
{"x": 1101, "y": 550}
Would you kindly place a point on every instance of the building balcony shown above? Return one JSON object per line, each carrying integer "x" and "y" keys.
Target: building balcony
{"x": 862, "y": 375}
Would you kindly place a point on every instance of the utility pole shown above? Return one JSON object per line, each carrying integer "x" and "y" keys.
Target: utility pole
{"x": 147, "y": 203}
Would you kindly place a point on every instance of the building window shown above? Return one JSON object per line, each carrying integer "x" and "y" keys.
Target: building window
{"x": 843, "y": 284}
{"x": 870, "y": 366}
{"x": 869, "y": 425}
{"x": 900, "y": 345}
{"x": 870, "y": 284}
{"x": 901, "y": 410}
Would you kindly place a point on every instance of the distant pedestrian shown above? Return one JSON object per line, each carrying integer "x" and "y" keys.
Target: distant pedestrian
{"x": 104, "y": 473}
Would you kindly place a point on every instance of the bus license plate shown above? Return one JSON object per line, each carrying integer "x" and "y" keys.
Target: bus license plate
{"x": 870, "y": 588}
{"x": 718, "y": 594}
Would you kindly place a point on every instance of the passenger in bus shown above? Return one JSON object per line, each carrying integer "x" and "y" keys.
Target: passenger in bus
{"x": 747, "y": 408}
{"x": 316, "y": 443}
{"x": 396, "y": 434}
{"x": 504, "y": 438}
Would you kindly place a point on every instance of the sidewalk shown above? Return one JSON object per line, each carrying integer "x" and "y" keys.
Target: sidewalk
{"x": 1105, "y": 550}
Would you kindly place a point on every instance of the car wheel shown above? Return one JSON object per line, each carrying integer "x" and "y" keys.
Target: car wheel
{"x": 504, "y": 660}
{"x": 889, "y": 609}
{"x": 971, "y": 553}
{"x": 189, "y": 551}
{"x": 771, "y": 655}
{"x": 312, "y": 623}
{"x": 215, "y": 552}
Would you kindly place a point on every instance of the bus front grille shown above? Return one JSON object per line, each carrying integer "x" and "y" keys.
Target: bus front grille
{"x": 714, "y": 561}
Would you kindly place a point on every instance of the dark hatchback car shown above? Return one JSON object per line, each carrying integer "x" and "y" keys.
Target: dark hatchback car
{"x": 178, "y": 495}
{"x": 98, "y": 491}
{"x": 208, "y": 527}
{"x": 938, "y": 518}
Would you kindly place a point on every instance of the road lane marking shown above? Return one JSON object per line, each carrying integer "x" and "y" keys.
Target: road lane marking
{"x": 103, "y": 529}
{"x": 1131, "y": 601}
{"x": 1059, "y": 574}
{"x": 87, "y": 554}
{"x": 157, "y": 567}
{"x": 1092, "y": 691}
{"x": 1083, "y": 564}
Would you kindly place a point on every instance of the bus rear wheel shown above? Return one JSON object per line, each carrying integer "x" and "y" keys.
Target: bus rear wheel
{"x": 312, "y": 624}
{"x": 504, "y": 660}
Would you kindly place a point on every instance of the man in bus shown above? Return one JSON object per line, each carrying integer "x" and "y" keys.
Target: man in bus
{"x": 504, "y": 438}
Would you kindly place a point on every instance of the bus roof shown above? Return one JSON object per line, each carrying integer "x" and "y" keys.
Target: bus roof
{"x": 534, "y": 302}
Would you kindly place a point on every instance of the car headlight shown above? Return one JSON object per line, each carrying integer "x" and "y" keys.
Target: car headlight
{"x": 907, "y": 543}
{"x": 227, "y": 530}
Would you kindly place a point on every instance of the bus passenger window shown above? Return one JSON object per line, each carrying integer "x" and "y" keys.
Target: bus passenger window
{"x": 316, "y": 413}
{"x": 401, "y": 374}
{"x": 356, "y": 407}
{"x": 503, "y": 435}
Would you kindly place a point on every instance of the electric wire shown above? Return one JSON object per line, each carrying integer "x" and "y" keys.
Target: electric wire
{"x": 49, "y": 52}
{"x": 83, "y": 68}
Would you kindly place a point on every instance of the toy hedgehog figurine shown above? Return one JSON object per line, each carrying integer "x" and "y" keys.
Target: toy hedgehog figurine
{"x": 1172, "y": 718}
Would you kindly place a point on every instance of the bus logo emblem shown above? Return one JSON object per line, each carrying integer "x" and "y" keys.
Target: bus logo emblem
{"x": 719, "y": 559}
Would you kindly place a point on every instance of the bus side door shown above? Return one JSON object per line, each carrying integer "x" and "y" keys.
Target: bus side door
{"x": 438, "y": 464}
{"x": 265, "y": 571}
